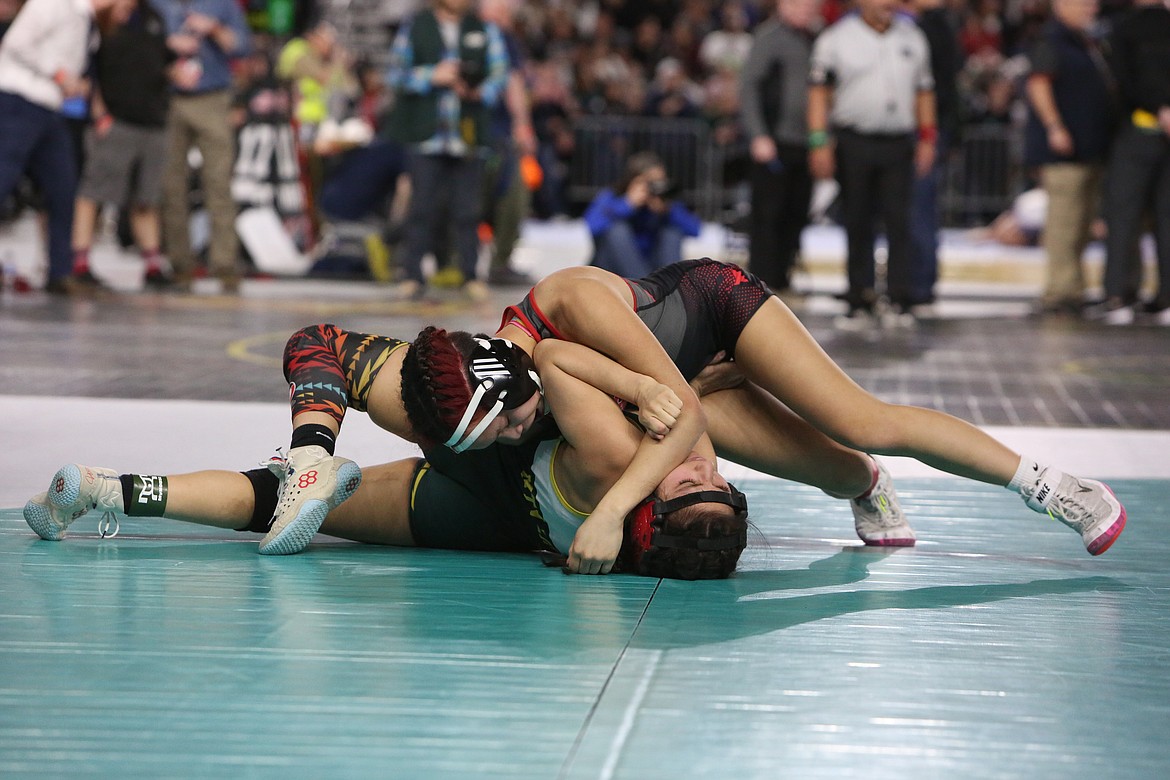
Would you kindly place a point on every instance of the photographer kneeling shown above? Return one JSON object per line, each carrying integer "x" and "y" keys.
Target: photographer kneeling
{"x": 636, "y": 226}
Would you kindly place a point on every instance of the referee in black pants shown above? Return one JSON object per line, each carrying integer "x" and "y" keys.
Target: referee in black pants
{"x": 870, "y": 83}
{"x": 1139, "y": 165}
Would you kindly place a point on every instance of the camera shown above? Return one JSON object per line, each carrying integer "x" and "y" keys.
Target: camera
{"x": 661, "y": 188}
{"x": 472, "y": 72}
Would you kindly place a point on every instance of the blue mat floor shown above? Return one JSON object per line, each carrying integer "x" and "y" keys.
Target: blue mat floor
{"x": 996, "y": 648}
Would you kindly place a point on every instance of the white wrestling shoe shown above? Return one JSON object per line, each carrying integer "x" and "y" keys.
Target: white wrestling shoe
{"x": 1084, "y": 505}
{"x": 74, "y": 491}
{"x": 878, "y": 517}
{"x": 313, "y": 483}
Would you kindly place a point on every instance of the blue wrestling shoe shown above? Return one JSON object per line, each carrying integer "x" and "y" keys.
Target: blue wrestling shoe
{"x": 313, "y": 483}
{"x": 74, "y": 491}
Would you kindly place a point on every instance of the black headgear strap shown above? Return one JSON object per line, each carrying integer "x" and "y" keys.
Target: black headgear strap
{"x": 502, "y": 377}
{"x": 732, "y": 498}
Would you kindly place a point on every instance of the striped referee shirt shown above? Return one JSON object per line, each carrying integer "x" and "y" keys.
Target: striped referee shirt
{"x": 875, "y": 76}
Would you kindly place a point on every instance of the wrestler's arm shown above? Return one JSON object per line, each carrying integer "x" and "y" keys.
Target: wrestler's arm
{"x": 658, "y": 405}
{"x": 599, "y": 445}
{"x": 595, "y": 308}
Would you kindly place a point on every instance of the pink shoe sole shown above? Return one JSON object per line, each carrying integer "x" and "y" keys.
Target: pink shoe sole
{"x": 900, "y": 542}
{"x": 1106, "y": 540}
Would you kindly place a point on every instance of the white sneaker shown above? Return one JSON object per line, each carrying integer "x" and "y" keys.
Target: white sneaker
{"x": 476, "y": 291}
{"x": 407, "y": 290}
{"x": 1163, "y": 317}
{"x": 1122, "y": 315}
{"x": 313, "y": 483}
{"x": 898, "y": 319}
{"x": 856, "y": 321}
{"x": 1084, "y": 505}
{"x": 878, "y": 517}
{"x": 74, "y": 491}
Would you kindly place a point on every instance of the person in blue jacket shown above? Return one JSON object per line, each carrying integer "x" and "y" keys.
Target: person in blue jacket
{"x": 636, "y": 226}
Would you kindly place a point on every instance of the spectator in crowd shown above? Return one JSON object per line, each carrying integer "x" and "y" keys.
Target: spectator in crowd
{"x": 43, "y": 57}
{"x": 870, "y": 84}
{"x": 322, "y": 75}
{"x": 267, "y": 171}
{"x": 649, "y": 45}
{"x": 982, "y": 30}
{"x": 205, "y": 35}
{"x": 552, "y": 112}
{"x": 726, "y": 49}
{"x": 934, "y": 20}
{"x": 373, "y": 100}
{"x": 773, "y": 92}
{"x": 684, "y": 44}
{"x": 1139, "y": 165}
{"x": 449, "y": 68}
{"x": 637, "y": 226}
{"x": 672, "y": 95}
{"x": 507, "y": 198}
{"x": 127, "y": 142}
{"x": 323, "y": 84}
{"x": 1068, "y": 135}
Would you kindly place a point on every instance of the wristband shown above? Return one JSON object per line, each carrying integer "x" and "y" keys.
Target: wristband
{"x": 817, "y": 139}
{"x": 928, "y": 134}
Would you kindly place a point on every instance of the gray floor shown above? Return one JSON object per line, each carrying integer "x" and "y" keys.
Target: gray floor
{"x": 991, "y": 371}
{"x": 995, "y": 648}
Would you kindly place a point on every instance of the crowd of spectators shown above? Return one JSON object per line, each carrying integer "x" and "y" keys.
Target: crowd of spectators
{"x": 575, "y": 59}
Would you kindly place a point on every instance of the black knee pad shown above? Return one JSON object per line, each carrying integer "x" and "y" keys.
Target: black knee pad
{"x": 266, "y": 490}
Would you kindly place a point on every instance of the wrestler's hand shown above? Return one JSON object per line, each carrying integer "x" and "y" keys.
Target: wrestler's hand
{"x": 658, "y": 407}
{"x": 719, "y": 374}
{"x": 596, "y": 545}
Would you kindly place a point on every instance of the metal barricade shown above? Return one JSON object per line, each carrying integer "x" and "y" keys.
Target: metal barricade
{"x": 691, "y": 158}
{"x": 983, "y": 175}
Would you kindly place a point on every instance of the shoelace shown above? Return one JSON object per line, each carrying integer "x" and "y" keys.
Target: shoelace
{"x": 879, "y": 504}
{"x": 1070, "y": 509}
{"x": 278, "y": 465}
{"x": 109, "y": 502}
{"x": 108, "y": 519}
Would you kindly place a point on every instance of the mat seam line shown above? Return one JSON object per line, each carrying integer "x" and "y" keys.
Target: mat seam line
{"x": 568, "y": 762}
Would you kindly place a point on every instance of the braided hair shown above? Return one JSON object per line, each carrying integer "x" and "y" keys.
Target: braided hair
{"x": 435, "y": 388}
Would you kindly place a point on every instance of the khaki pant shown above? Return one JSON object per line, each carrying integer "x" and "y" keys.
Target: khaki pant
{"x": 1073, "y": 193}
{"x": 201, "y": 121}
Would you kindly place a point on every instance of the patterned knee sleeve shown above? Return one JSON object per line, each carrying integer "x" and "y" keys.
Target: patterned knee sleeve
{"x": 329, "y": 368}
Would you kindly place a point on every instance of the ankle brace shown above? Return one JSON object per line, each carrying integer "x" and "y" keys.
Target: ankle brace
{"x": 144, "y": 495}
{"x": 306, "y": 435}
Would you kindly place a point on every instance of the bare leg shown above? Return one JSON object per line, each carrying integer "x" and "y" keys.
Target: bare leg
{"x": 144, "y": 223}
{"x": 751, "y": 428}
{"x": 84, "y": 223}
{"x": 379, "y": 512}
{"x": 804, "y": 378}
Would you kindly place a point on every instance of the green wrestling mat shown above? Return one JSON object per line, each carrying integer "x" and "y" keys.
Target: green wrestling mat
{"x": 996, "y": 648}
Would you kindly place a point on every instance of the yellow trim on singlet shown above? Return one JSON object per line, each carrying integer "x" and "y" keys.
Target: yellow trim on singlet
{"x": 552, "y": 479}
{"x": 425, "y": 467}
